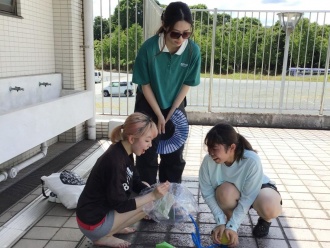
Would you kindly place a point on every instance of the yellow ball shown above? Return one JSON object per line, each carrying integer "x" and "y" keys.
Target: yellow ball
{"x": 224, "y": 240}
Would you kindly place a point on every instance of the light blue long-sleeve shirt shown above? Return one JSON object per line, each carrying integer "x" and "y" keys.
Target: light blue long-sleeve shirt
{"x": 247, "y": 175}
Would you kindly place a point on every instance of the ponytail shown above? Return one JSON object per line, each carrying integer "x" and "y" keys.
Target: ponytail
{"x": 116, "y": 134}
{"x": 136, "y": 124}
{"x": 242, "y": 144}
{"x": 226, "y": 135}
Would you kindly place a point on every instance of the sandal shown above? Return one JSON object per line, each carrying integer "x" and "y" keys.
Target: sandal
{"x": 262, "y": 228}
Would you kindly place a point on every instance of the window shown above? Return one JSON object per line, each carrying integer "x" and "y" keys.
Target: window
{"x": 8, "y": 6}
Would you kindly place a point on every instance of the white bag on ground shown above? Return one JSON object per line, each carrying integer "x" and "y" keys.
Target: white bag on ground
{"x": 67, "y": 185}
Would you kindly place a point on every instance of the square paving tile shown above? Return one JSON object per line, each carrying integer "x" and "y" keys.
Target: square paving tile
{"x": 325, "y": 244}
{"x": 150, "y": 238}
{"x": 314, "y": 213}
{"x": 71, "y": 223}
{"x": 41, "y": 233}
{"x": 69, "y": 234}
{"x": 290, "y": 212}
{"x": 247, "y": 242}
{"x": 272, "y": 243}
{"x": 52, "y": 221}
{"x": 180, "y": 240}
{"x": 293, "y": 222}
{"x": 319, "y": 223}
{"x": 60, "y": 210}
{"x": 304, "y": 244}
{"x": 61, "y": 244}
{"x": 323, "y": 235}
{"x": 307, "y": 204}
{"x": 30, "y": 243}
{"x": 299, "y": 234}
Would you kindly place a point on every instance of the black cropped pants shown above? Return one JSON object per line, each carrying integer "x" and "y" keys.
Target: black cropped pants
{"x": 171, "y": 165}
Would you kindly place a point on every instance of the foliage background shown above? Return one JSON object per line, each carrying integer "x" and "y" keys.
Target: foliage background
{"x": 241, "y": 44}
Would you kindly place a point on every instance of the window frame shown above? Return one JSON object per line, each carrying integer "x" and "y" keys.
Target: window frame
{"x": 9, "y": 10}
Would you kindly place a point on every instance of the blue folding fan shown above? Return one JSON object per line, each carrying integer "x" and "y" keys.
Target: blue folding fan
{"x": 179, "y": 136}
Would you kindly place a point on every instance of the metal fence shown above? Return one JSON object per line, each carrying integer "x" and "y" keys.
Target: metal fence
{"x": 243, "y": 56}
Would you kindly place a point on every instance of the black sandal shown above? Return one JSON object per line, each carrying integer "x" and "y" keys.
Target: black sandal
{"x": 262, "y": 228}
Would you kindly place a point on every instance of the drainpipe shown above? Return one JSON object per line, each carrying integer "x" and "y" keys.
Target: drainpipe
{"x": 89, "y": 61}
{"x": 15, "y": 169}
{"x": 3, "y": 176}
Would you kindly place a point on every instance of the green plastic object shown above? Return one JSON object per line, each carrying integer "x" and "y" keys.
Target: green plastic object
{"x": 164, "y": 245}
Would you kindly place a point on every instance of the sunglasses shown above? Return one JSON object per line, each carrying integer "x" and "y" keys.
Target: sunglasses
{"x": 177, "y": 35}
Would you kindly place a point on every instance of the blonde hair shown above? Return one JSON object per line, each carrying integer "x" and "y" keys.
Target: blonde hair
{"x": 136, "y": 124}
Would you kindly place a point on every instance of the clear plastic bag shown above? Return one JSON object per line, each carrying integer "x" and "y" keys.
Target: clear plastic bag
{"x": 174, "y": 207}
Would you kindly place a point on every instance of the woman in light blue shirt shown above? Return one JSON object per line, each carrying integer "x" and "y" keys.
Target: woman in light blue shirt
{"x": 232, "y": 181}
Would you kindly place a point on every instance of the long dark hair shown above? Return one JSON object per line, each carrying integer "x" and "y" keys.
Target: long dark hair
{"x": 174, "y": 12}
{"x": 224, "y": 134}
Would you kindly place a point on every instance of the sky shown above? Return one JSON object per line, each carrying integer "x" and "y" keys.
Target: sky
{"x": 281, "y": 5}
{"x": 260, "y": 4}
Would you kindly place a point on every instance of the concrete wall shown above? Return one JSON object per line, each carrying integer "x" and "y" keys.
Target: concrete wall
{"x": 27, "y": 42}
{"x": 235, "y": 119}
{"x": 46, "y": 37}
{"x": 261, "y": 120}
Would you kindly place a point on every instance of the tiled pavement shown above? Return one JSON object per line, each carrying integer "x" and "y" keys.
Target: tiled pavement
{"x": 298, "y": 160}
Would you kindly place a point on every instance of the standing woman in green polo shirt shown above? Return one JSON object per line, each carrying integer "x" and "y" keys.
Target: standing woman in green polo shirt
{"x": 166, "y": 66}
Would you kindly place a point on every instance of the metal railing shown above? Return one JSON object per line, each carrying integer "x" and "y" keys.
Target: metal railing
{"x": 242, "y": 59}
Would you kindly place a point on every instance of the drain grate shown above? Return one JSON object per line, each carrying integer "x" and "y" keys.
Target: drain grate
{"x": 21, "y": 188}
{"x": 85, "y": 243}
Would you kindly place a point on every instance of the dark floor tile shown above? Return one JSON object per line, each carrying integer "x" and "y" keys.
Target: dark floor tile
{"x": 145, "y": 226}
{"x": 146, "y": 238}
{"x": 245, "y": 231}
{"x": 181, "y": 240}
{"x": 206, "y": 228}
{"x": 245, "y": 242}
{"x": 272, "y": 243}
{"x": 187, "y": 228}
{"x": 206, "y": 218}
{"x": 204, "y": 208}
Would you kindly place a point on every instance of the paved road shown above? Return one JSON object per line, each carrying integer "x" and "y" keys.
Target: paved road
{"x": 231, "y": 95}
{"x": 116, "y": 105}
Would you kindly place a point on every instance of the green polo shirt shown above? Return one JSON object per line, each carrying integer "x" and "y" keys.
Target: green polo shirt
{"x": 165, "y": 72}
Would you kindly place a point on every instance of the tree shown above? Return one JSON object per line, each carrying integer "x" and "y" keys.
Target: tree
{"x": 97, "y": 54}
{"x": 223, "y": 18}
{"x": 118, "y": 49}
{"x": 97, "y": 27}
{"x": 200, "y": 16}
{"x": 241, "y": 44}
{"x": 134, "y": 9}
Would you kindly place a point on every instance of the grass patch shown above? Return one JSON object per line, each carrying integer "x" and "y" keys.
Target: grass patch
{"x": 250, "y": 76}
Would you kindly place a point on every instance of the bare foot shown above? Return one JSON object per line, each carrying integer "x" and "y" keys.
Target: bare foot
{"x": 126, "y": 230}
{"x": 112, "y": 241}
{"x": 147, "y": 217}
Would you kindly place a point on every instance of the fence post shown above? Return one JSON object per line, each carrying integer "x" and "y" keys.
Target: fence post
{"x": 145, "y": 2}
{"x": 285, "y": 62}
{"x": 326, "y": 69}
{"x": 212, "y": 58}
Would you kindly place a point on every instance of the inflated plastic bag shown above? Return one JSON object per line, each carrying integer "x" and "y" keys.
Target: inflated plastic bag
{"x": 67, "y": 185}
{"x": 174, "y": 207}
